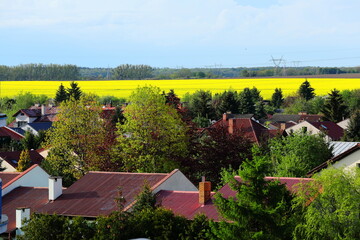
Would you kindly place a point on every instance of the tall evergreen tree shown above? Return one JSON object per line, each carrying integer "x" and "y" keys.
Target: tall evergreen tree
{"x": 228, "y": 101}
{"x": 260, "y": 210}
{"x": 352, "y": 133}
{"x": 335, "y": 109}
{"x": 277, "y": 98}
{"x": 74, "y": 91}
{"x": 247, "y": 104}
{"x": 61, "y": 94}
{"x": 306, "y": 91}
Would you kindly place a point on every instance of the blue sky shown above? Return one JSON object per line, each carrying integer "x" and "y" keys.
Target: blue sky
{"x": 186, "y": 33}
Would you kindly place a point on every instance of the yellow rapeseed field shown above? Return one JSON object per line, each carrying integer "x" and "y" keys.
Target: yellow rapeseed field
{"x": 123, "y": 88}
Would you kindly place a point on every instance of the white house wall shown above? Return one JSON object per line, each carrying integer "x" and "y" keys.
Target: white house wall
{"x": 349, "y": 162}
{"x": 7, "y": 166}
{"x": 37, "y": 177}
{"x": 309, "y": 128}
{"x": 176, "y": 182}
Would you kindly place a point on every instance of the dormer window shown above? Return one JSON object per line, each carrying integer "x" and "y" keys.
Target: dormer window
{"x": 22, "y": 114}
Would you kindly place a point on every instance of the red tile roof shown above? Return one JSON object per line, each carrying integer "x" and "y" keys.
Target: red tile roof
{"x": 93, "y": 195}
{"x": 7, "y": 132}
{"x": 23, "y": 197}
{"x": 11, "y": 157}
{"x": 8, "y": 176}
{"x": 331, "y": 129}
{"x": 187, "y": 203}
{"x": 251, "y": 129}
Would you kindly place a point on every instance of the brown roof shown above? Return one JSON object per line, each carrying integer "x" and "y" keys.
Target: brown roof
{"x": 187, "y": 203}
{"x": 23, "y": 197}
{"x": 333, "y": 160}
{"x": 6, "y": 177}
{"x": 331, "y": 129}
{"x": 13, "y": 157}
{"x": 93, "y": 195}
{"x": 7, "y": 132}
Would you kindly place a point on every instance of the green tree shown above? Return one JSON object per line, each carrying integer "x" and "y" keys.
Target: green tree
{"x": 335, "y": 109}
{"x": 298, "y": 153}
{"x": 61, "y": 94}
{"x": 200, "y": 104}
{"x": 24, "y": 161}
{"x": 145, "y": 199}
{"x": 260, "y": 209}
{"x": 329, "y": 207}
{"x": 76, "y": 140}
{"x": 306, "y": 91}
{"x": 277, "y": 98}
{"x": 247, "y": 104}
{"x": 228, "y": 101}
{"x": 152, "y": 135}
{"x": 352, "y": 133}
{"x": 74, "y": 91}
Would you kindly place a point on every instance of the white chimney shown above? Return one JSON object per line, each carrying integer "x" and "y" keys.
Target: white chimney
{"x": 42, "y": 110}
{"x": 21, "y": 214}
{"x": 3, "y": 118}
{"x": 55, "y": 187}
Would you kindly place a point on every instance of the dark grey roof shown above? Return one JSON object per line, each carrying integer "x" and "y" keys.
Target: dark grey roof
{"x": 38, "y": 126}
{"x": 282, "y": 118}
{"x": 18, "y": 130}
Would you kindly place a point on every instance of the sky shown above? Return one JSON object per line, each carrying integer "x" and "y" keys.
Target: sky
{"x": 181, "y": 33}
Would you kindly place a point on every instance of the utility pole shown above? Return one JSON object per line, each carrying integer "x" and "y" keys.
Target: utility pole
{"x": 277, "y": 62}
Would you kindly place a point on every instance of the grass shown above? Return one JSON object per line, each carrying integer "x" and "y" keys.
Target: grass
{"x": 123, "y": 88}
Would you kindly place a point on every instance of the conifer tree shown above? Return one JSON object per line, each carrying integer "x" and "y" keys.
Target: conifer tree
{"x": 61, "y": 94}
{"x": 352, "y": 133}
{"x": 24, "y": 161}
{"x": 277, "y": 98}
{"x": 74, "y": 91}
{"x": 246, "y": 102}
{"x": 260, "y": 210}
{"x": 335, "y": 109}
{"x": 306, "y": 91}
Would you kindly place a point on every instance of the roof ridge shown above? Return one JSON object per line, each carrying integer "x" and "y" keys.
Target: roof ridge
{"x": 104, "y": 172}
{"x": 20, "y": 175}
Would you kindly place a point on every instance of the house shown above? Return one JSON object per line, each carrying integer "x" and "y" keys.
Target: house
{"x": 27, "y": 188}
{"x": 91, "y": 196}
{"x": 283, "y": 121}
{"x": 10, "y": 159}
{"x": 344, "y": 124}
{"x": 34, "y": 114}
{"x": 332, "y": 131}
{"x": 191, "y": 203}
{"x": 7, "y": 137}
{"x": 348, "y": 159}
{"x": 247, "y": 126}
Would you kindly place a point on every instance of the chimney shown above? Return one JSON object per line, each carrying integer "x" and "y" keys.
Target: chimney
{"x": 231, "y": 125}
{"x": 55, "y": 187}
{"x": 3, "y": 118}
{"x": 204, "y": 191}
{"x": 282, "y": 126}
{"x": 21, "y": 214}
{"x": 42, "y": 110}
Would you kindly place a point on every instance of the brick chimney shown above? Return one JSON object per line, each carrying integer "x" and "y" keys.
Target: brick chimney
{"x": 43, "y": 110}
{"x": 282, "y": 126}
{"x": 204, "y": 191}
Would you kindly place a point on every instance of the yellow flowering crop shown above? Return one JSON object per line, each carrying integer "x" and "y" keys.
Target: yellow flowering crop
{"x": 123, "y": 88}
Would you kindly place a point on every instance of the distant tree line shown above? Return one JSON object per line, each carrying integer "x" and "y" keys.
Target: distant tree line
{"x": 142, "y": 71}
{"x": 32, "y": 71}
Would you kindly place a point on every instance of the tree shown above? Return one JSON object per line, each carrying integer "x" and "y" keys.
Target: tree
{"x": 306, "y": 91}
{"x": 334, "y": 109}
{"x": 200, "y": 104}
{"x": 298, "y": 153}
{"x": 352, "y": 133}
{"x": 215, "y": 149}
{"x": 277, "y": 98}
{"x": 145, "y": 199}
{"x": 24, "y": 161}
{"x": 329, "y": 207}
{"x": 247, "y": 104}
{"x": 74, "y": 91}
{"x": 260, "y": 209}
{"x": 152, "y": 135}
{"x": 61, "y": 94}
{"x": 76, "y": 140}
{"x": 129, "y": 71}
{"x": 228, "y": 101}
